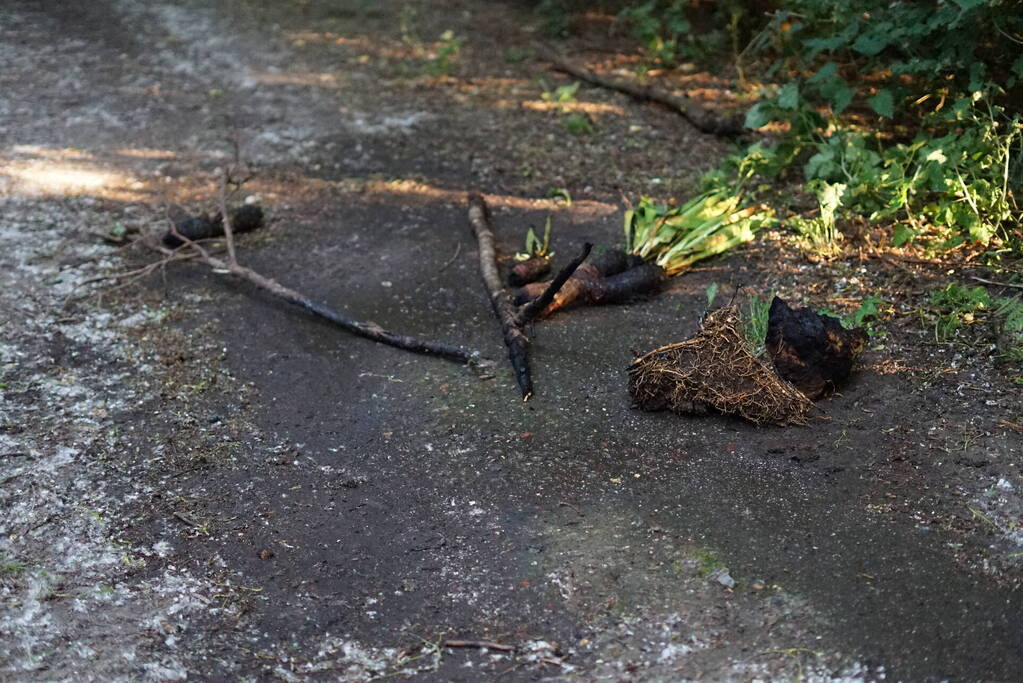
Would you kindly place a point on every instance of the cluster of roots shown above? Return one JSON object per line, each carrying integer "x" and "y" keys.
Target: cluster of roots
{"x": 715, "y": 370}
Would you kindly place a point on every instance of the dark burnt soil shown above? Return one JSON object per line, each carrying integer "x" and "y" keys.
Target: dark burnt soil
{"x": 344, "y": 507}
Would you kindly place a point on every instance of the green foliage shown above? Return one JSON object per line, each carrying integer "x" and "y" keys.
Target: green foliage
{"x": 957, "y": 307}
{"x": 712, "y": 292}
{"x": 755, "y": 322}
{"x": 676, "y": 237}
{"x": 868, "y": 312}
{"x": 10, "y": 566}
{"x": 561, "y": 95}
{"x": 560, "y": 193}
{"x": 578, "y": 124}
{"x": 555, "y": 16}
{"x": 659, "y": 26}
{"x": 446, "y": 54}
{"x": 820, "y": 231}
{"x": 944, "y": 156}
{"x": 575, "y": 123}
{"x": 667, "y": 33}
{"x": 534, "y": 245}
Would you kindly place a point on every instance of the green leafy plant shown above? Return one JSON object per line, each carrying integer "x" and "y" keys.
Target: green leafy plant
{"x": 676, "y": 237}
{"x": 11, "y": 567}
{"x": 820, "y": 231}
{"x": 561, "y": 95}
{"x": 536, "y": 246}
{"x": 578, "y": 124}
{"x": 940, "y": 156}
{"x": 659, "y": 26}
{"x": 755, "y": 322}
{"x": 575, "y": 123}
{"x": 560, "y": 193}
{"x": 957, "y": 307}
{"x": 445, "y": 55}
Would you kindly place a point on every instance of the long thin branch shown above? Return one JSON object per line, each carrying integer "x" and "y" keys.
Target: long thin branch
{"x": 704, "y": 119}
{"x": 226, "y": 217}
{"x": 514, "y": 338}
{"x": 512, "y": 319}
{"x": 369, "y": 330}
{"x": 997, "y": 284}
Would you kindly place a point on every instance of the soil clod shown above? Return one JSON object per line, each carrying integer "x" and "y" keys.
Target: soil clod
{"x": 810, "y": 350}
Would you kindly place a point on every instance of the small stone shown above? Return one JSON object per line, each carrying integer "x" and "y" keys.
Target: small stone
{"x": 757, "y": 585}
{"x": 723, "y": 577}
{"x": 265, "y": 554}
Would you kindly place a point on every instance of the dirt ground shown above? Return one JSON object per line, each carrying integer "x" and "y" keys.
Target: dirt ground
{"x": 199, "y": 482}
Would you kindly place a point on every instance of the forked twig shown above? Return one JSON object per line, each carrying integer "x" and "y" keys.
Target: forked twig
{"x": 512, "y": 319}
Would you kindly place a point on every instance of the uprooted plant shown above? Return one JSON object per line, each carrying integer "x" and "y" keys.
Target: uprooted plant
{"x": 535, "y": 262}
{"x": 660, "y": 241}
{"x": 715, "y": 370}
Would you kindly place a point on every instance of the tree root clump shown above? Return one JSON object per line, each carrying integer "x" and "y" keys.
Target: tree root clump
{"x": 715, "y": 370}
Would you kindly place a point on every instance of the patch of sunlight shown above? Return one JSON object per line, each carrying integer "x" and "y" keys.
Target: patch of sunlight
{"x": 38, "y": 152}
{"x": 42, "y": 177}
{"x": 392, "y": 49}
{"x": 582, "y": 107}
{"x": 309, "y": 79}
{"x": 146, "y": 153}
{"x": 412, "y": 189}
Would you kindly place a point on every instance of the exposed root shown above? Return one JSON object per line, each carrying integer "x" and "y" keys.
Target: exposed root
{"x": 715, "y": 370}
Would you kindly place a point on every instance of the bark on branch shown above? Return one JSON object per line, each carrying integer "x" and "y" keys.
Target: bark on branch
{"x": 369, "y": 330}
{"x": 512, "y": 318}
{"x": 701, "y": 117}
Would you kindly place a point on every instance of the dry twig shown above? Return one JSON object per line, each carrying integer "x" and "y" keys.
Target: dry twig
{"x": 366, "y": 329}
{"x": 512, "y": 319}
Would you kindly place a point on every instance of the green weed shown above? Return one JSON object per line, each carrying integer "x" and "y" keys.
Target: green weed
{"x": 578, "y": 124}
{"x": 755, "y": 322}
{"x": 445, "y": 55}
{"x": 11, "y": 567}
{"x": 957, "y": 308}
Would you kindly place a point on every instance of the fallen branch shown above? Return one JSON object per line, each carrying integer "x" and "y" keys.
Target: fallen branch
{"x": 997, "y": 284}
{"x": 368, "y": 330}
{"x": 704, "y": 119}
{"x": 512, "y": 319}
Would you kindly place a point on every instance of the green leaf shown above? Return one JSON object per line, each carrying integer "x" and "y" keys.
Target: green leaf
{"x": 1017, "y": 66}
{"x": 838, "y": 92}
{"x": 869, "y": 44}
{"x": 829, "y": 199}
{"x": 759, "y": 115}
{"x": 712, "y": 291}
{"x": 824, "y": 74}
{"x": 821, "y": 165}
{"x": 883, "y": 103}
{"x": 903, "y": 235}
{"x": 788, "y": 98}
{"x": 967, "y": 5}
{"x": 981, "y": 231}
